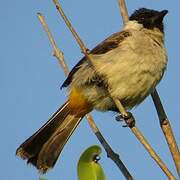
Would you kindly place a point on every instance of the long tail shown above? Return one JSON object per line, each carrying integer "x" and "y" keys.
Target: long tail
{"x": 43, "y": 147}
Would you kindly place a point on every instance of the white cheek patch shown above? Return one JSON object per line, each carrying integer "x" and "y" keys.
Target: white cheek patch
{"x": 133, "y": 25}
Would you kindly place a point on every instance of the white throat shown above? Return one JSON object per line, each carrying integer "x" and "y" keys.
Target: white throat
{"x": 133, "y": 25}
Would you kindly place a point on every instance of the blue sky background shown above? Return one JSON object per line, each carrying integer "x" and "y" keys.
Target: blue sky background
{"x": 30, "y": 79}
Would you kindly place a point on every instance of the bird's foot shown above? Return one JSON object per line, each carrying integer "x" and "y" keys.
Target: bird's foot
{"x": 128, "y": 118}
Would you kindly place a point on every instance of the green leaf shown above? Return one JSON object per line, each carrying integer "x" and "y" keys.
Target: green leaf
{"x": 41, "y": 178}
{"x": 88, "y": 165}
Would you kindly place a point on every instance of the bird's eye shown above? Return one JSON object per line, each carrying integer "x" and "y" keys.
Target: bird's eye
{"x": 96, "y": 158}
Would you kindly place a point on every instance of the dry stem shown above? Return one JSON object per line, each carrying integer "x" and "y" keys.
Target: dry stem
{"x": 123, "y": 11}
{"x": 134, "y": 129}
{"x": 110, "y": 153}
{"x": 56, "y": 52}
{"x": 167, "y": 130}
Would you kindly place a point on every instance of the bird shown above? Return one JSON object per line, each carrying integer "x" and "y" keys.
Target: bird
{"x": 88, "y": 167}
{"x": 126, "y": 66}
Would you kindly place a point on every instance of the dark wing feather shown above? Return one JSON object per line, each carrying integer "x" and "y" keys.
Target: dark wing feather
{"x": 108, "y": 44}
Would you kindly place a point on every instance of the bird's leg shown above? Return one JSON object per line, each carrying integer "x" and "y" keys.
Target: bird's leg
{"x": 128, "y": 118}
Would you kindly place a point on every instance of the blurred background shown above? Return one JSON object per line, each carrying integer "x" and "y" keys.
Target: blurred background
{"x": 30, "y": 80}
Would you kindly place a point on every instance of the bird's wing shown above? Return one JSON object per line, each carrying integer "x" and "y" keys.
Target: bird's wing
{"x": 107, "y": 45}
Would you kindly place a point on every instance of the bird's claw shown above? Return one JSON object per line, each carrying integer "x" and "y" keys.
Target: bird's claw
{"x": 128, "y": 118}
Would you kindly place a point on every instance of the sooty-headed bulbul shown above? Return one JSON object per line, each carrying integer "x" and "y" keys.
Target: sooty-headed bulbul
{"x": 128, "y": 66}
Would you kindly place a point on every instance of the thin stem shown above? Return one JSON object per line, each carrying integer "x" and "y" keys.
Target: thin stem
{"x": 167, "y": 130}
{"x": 71, "y": 28}
{"x": 123, "y": 11}
{"x": 74, "y": 33}
{"x": 56, "y": 52}
{"x": 110, "y": 153}
{"x": 145, "y": 143}
{"x": 118, "y": 103}
{"x": 153, "y": 154}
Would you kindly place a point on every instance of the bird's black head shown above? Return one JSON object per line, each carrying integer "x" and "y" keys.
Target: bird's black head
{"x": 149, "y": 18}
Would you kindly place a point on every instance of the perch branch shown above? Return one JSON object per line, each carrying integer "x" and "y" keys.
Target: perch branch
{"x": 123, "y": 112}
{"x": 167, "y": 130}
{"x": 60, "y": 57}
{"x": 110, "y": 153}
{"x": 123, "y": 11}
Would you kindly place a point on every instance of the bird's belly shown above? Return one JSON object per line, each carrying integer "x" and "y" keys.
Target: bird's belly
{"x": 130, "y": 92}
{"x": 134, "y": 83}
{"x": 133, "y": 91}
{"x": 131, "y": 82}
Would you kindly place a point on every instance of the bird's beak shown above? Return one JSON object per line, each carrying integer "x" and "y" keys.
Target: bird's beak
{"x": 159, "y": 18}
{"x": 163, "y": 13}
